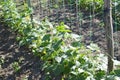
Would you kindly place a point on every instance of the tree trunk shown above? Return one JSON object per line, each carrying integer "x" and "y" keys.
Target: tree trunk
{"x": 109, "y": 33}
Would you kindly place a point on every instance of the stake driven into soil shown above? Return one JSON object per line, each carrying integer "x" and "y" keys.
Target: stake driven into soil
{"x": 109, "y": 33}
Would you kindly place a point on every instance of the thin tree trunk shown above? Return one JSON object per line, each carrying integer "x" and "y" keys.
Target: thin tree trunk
{"x": 109, "y": 33}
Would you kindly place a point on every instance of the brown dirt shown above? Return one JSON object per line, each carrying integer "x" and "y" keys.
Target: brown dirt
{"x": 10, "y": 52}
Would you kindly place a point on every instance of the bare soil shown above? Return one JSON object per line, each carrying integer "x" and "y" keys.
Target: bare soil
{"x": 11, "y": 52}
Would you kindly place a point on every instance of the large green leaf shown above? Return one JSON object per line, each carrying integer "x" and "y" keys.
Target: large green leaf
{"x": 57, "y": 44}
{"x": 46, "y": 37}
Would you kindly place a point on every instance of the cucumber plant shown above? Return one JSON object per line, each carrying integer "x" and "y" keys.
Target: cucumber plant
{"x": 62, "y": 51}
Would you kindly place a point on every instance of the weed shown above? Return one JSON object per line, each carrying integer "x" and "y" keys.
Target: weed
{"x": 16, "y": 66}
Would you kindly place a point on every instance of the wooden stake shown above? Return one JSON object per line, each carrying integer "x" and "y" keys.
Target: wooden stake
{"x": 109, "y": 33}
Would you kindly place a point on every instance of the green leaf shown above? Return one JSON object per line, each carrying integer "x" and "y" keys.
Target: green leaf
{"x": 93, "y": 47}
{"x": 58, "y": 70}
{"x": 117, "y": 72}
{"x": 58, "y": 59}
{"x": 82, "y": 76}
{"x": 46, "y": 37}
{"x": 99, "y": 74}
{"x": 56, "y": 45}
{"x": 80, "y": 70}
{"x": 44, "y": 44}
{"x": 76, "y": 44}
{"x": 62, "y": 28}
{"x": 77, "y": 63}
